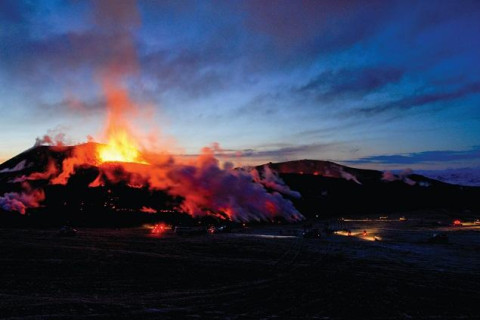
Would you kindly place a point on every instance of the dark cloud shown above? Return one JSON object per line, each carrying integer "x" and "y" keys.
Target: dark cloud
{"x": 118, "y": 20}
{"x": 290, "y": 152}
{"x": 117, "y": 14}
{"x": 276, "y": 151}
{"x": 192, "y": 72}
{"x": 421, "y": 157}
{"x": 314, "y": 27}
{"x": 14, "y": 28}
{"x": 263, "y": 105}
{"x": 33, "y": 55}
{"x": 14, "y": 11}
{"x": 420, "y": 100}
{"x": 63, "y": 55}
{"x": 334, "y": 83}
{"x": 327, "y": 131}
{"x": 281, "y": 35}
{"x": 72, "y": 105}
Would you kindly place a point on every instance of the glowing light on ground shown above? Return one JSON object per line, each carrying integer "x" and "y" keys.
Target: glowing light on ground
{"x": 363, "y": 235}
{"x": 160, "y": 228}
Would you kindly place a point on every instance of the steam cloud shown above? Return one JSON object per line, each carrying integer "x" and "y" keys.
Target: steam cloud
{"x": 13, "y": 201}
{"x": 207, "y": 189}
{"x": 49, "y": 140}
{"x": 402, "y": 176}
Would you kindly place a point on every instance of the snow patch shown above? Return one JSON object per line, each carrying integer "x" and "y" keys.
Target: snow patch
{"x": 462, "y": 176}
{"x": 18, "y": 167}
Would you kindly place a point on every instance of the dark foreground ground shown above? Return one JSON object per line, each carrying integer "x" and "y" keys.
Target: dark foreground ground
{"x": 265, "y": 274}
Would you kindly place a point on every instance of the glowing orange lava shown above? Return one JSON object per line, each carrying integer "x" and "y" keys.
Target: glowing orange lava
{"x": 121, "y": 143}
{"x": 120, "y": 148}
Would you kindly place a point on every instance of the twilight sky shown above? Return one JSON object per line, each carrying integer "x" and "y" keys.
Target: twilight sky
{"x": 387, "y": 84}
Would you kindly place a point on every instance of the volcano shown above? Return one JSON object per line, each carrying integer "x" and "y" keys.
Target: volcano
{"x": 59, "y": 184}
{"x": 72, "y": 183}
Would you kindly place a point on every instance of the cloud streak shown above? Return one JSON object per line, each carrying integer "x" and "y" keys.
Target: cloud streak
{"x": 421, "y": 157}
{"x": 364, "y": 80}
{"x": 421, "y": 100}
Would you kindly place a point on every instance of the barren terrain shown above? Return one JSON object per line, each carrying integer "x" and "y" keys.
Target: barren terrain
{"x": 266, "y": 272}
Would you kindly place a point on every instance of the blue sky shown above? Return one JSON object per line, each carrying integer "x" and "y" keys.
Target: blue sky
{"x": 377, "y": 84}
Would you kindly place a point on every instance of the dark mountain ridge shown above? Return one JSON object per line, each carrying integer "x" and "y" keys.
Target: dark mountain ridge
{"x": 331, "y": 189}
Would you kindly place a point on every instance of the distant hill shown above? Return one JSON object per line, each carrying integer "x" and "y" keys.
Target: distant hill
{"x": 334, "y": 170}
{"x": 324, "y": 169}
{"x": 328, "y": 188}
